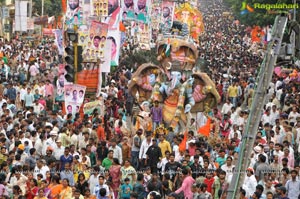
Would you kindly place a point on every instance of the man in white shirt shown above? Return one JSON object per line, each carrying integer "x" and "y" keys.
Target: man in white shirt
{"x": 266, "y": 117}
{"x": 226, "y": 107}
{"x": 99, "y": 186}
{"x": 40, "y": 168}
{"x": 228, "y": 167}
{"x": 59, "y": 150}
{"x": 117, "y": 150}
{"x": 274, "y": 115}
{"x": 144, "y": 148}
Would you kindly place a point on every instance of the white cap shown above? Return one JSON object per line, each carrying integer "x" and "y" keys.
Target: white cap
{"x": 53, "y": 133}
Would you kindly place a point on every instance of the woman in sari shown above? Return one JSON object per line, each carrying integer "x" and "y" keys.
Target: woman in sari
{"x": 55, "y": 187}
{"x": 41, "y": 195}
{"x": 32, "y": 189}
{"x": 128, "y": 171}
{"x": 115, "y": 173}
{"x": 66, "y": 192}
{"x": 45, "y": 189}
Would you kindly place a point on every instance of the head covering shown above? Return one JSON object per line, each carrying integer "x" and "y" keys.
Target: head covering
{"x": 21, "y": 147}
{"x": 257, "y": 149}
{"x": 53, "y": 133}
{"x": 49, "y": 148}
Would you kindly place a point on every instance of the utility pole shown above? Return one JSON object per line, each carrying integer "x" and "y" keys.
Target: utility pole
{"x": 43, "y": 7}
{"x": 259, "y": 100}
{"x": 75, "y": 45}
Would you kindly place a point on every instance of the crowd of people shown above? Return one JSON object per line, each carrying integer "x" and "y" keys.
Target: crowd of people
{"x": 46, "y": 154}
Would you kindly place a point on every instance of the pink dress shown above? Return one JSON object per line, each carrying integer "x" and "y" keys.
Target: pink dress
{"x": 115, "y": 173}
{"x": 186, "y": 187}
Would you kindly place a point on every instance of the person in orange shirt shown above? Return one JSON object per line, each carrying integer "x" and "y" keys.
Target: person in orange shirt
{"x": 55, "y": 187}
{"x": 100, "y": 132}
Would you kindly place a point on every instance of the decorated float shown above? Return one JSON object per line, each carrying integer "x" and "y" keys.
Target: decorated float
{"x": 177, "y": 82}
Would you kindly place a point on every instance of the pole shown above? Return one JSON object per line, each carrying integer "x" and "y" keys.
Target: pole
{"x": 259, "y": 99}
{"x": 75, "y": 46}
{"x": 43, "y": 7}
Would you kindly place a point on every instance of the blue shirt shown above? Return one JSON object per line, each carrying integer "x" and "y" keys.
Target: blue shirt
{"x": 64, "y": 160}
{"x": 126, "y": 190}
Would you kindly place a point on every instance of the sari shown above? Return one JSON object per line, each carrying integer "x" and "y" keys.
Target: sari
{"x": 115, "y": 173}
{"x": 55, "y": 190}
{"x": 66, "y": 193}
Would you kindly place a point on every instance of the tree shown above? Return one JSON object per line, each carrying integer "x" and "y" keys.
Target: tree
{"x": 51, "y": 7}
{"x": 138, "y": 57}
{"x": 259, "y": 17}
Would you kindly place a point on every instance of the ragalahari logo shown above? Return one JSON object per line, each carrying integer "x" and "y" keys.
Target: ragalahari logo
{"x": 246, "y": 8}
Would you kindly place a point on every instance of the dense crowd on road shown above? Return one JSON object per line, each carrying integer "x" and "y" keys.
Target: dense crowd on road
{"x": 46, "y": 154}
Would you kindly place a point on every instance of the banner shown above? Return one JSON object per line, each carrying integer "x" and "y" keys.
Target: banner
{"x": 144, "y": 36}
{"x": 74, "y": 96}
{"x": 105, "y": 65}
{"x": 30, "y": 24}
{"x": 89, "y": 107}
{"x": 21, "y": 15}
{"x": 60, "y": 83}
{"x": 115, "y": 37}
{"x": 74, "y": 13}
{"x": 89, "y": 76}
{"x": 141, "y": 10}
{"x": 128, "y": 9}
{"x": 59, "y": 40}
{"x": 96, "y": 41}
{"x": 48, "y": 32}
{"x": 83, "y": 38}
{"x": 113, "y": 18}
{"x": 155, "y": 17}
{"x": 100, "y": 8}
{"x": 167, "y": 15}
{"x": 192, "y": 17}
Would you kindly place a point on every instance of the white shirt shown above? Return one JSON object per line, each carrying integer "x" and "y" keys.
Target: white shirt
{"x": 293, "y": 116}
{"x": 266, "y": 119}
{"x": 117, "y": 153}
{"x": 58, "y": 152}
{"x": 249, "y": 185}
{"x": 226, "y": 108}
{"x": 229, "y": 171}
{"x": 42, "y": 171}
{"x": 144, "y": 148}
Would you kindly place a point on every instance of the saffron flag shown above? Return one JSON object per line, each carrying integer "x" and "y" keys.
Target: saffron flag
{"x": 64, "y": 5}
{"x": 205, "y": 130}
{"x": 182, "y": 145}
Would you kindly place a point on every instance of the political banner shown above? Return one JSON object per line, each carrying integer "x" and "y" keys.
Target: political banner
{"x": 89, "y": 107}
{"x": 74, "y": 93}
{"x": 89, "y": 76}
{"x": 128, "y": 11}
{"x": 167, "y": 15}
{"x": 105, "y": 65}
{"x": 144, "y": 36}
{"x": 113, "y": 17}
{"x": 59, "y": 40}
{"x": 100, "y": 8}
{"x": 141, "y": 10}
{"x": 74, "y": 14}
{"x": 83, "y": 38}
{"x": 115, "y": 37}
{"x": 96, "y": 41}
{"x": 60, "y": 83}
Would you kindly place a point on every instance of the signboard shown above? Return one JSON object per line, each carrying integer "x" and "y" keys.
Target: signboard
{"x": 41, "y": 20}
{"x": 6, "y": 27}
{"x": 5, "y": 12}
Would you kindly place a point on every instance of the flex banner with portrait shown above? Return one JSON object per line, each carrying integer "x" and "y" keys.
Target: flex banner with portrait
{"x": 59, "y": 40}
{"x": 135, "y": 10}
{"x": 74, "y": 14}
{"x": 168, "y": 9}
{"x": 115, "y": 37}
{"x": 100, "y": 8}
{"x": 60, "y": 83}
{"x": 94, "y": 48}
{"x": 191, "y": 16}
{"x": 74, "y": 96}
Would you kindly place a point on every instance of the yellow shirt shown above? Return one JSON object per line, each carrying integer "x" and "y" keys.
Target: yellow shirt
{"x": 164, "y": 146}
{"x": 232, "y": 91}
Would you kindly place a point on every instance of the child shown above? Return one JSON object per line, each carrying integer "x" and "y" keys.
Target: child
{"x": 126, "y": 189}
{"x": 39, "y": 179}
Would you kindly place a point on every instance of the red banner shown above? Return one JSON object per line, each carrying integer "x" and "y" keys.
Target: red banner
{"x": 48, "y": 32}
{"x": 88, "y": 78}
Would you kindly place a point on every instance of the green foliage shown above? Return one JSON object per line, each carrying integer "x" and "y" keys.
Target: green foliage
{"x": 138, "y": 57}
{"x": 260, "y": 16}
{"x": 51, "y": 7}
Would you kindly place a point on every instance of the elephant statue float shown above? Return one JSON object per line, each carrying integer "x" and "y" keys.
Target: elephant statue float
{"x": 175, "y": 82}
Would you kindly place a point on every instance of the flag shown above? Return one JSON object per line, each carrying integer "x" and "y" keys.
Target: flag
{"x": 205, "y": 130}
{"x": 64, "y": 5}
{"x": 182, "y": 145}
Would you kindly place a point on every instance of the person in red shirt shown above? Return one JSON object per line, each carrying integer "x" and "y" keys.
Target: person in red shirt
{"x": 209, "y": 180}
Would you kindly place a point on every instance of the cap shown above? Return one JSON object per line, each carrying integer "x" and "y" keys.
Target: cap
{"x": 53, "y": 133}
{"x": 113, "y": 81}
{"x": 58, "y": 140}
{"x": 250, "y": 169}
{"x": 49, "y": 148}
{"x": 257, "y": 149}
{"x": 21, "y": 147}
